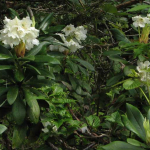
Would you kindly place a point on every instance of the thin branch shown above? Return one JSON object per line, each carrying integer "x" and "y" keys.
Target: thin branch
{"x": 53, "y": 146}
{"x": 126, "y": 4}
{"x": 6, "y": 141}
{"x": 80, "y": 1}
{"x": 109, "y": 33}
{"x": 30, "y": 11}
{"x": 66, "y": 145}
{"x": 146, "y": 2}
{"x": 70, "y": 110}
{"x": 91, "y": 145}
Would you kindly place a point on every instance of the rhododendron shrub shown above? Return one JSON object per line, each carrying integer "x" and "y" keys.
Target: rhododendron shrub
{"x": 32, "y": 86}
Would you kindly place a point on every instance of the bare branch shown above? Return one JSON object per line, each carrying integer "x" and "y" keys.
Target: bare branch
{"x": 53, "y": 146}
{"x": 129, "y": 3}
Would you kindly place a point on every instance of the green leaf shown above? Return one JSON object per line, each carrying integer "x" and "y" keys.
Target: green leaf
{"x": 115, "y": 117}
{"x": 4, "y": 67}
{"x": 37, "y": 49}
{"x": 127, "y": 70}
{"x": 19, "y": 76}
{"x": 62, "y": 100}
{"x": 67, "y": 85}
{"x": 84, "y": 71}
{"x": 72, "y": 66}
{"x": 39, "y": 83}
{"x": 33, "y": 68}
{"x": 114, "y": 80}
{"x": 111, "y": 52}
{"x": 13, "y": 13}
{"x": 38, "y": 94}
{"x": 131, "y": 84}
{"x": 3, "y": 89}
{"x": 19, "y": 135}
{"x": 148, "y": 115}
{"x": 85, "y": 64}
{"x": 12, "y": 94}
{"x": 28, "y": 58}
{"x": 19, "y": 111}
{"x": 5, "y": 51}
{"x": 46, "y": 59}
{"x": 93, "y": 121}
{"x": 47, "y": 73}
{"x": 34, "y": 109}
{"x": 4, "y": 56}
{"x": 56, "y": 90}
{"x": 2, "y": 128}
{"x": 136, "y": 143}
{"x": 119, "y": 35}
{"x": 117, "y": 58}
{"x": 129, "y": 125}
{"x": 46, "y": 22}
{"x": 109, "y": 8}
{"x": 92, "y": 39}
{"x": 137, "y": 119}
{"x": 57, "y": 28}
{"x": 137, "y": 8}
{"x": 119, "y": 145}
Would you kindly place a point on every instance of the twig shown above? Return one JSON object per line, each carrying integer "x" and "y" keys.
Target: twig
{"x": 30, "y": 11}
{"x": 91, "y": 145}
{"x": 66, "y": 145}
{"x": 94, "y": 137}
{"x": 80, "y": 1}
{"x": 6, "y": 141}
{"x": 72, "y": 112}
{"x": 109, "y": 33}
{"x": 126, "y": 4}
{"x": 53, "y": 146}
{"x": 146, "y": 2}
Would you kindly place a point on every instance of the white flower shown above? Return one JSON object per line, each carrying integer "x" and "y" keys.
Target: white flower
{"x": 45, "y": 130}
{"x": 46, "y": 124}
{"x": 53, "y": 47}
{"x": 81, "y": 29}
{"x": 71, "y": 39}
{"x": 73, "y": 46}
{"x": 148, "y": 15}
{"x": 140, "y": 21}
{"x": 68, "y": 29}
{"x": 80, "y": 33}
{"x": 16, "y": 31}
{"x": 143, "y": 66}
{"x": 85, "y": 130}
{"x": 143, "y": 70}
{"x": 55, "y": 129}
{"x": 62, "y": 49}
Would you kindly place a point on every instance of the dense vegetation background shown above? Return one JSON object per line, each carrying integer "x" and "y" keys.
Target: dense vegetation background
{"x": 91, "y": 99}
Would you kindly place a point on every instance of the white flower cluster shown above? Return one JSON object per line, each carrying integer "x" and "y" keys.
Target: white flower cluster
{"x": 46, "y": 124}
{"x": 140, "y": 21}
{"x": 16, "y": 31}
{"x": 72, "y": 38}
{"x": 144, "y": 70}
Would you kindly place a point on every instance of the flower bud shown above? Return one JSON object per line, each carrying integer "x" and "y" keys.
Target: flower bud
{"x": 20, "y": 49}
